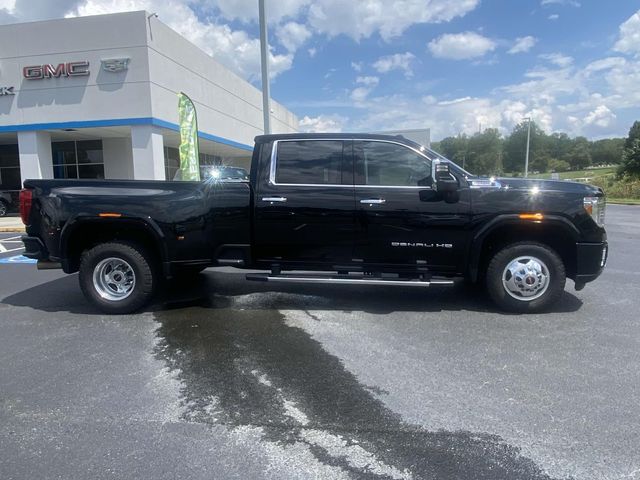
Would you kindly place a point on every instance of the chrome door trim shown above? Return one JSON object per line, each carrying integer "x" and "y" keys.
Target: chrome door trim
{"x": 274, "y": 199}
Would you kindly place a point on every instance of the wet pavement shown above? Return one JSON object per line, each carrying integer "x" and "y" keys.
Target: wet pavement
{"x": 224, "y": 378}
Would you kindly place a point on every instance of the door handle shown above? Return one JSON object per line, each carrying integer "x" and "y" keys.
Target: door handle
{"x": 274, "y": 199}
{"x": 374, "y": 201}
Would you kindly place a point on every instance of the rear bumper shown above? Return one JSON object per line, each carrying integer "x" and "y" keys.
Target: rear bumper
{"x": 34, "y": 248}
{"x": 591, "y": 260}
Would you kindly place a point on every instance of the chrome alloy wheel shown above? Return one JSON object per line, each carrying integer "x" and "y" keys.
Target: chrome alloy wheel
{"x": 526, "y": 278}
{"x": 3, "y": 209}
{"x": 114, "y": 279}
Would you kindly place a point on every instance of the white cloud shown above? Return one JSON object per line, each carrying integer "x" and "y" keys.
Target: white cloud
{"x": 523, "y": 44}
{"x": 629, "y": 39}
{"x": 292, "y": 35}
{"x": 398, "y": 61}
{"x": 8, "y": 5}
{"x": 247, "y": 11}
{"x": 366, "y": 85}
{"x": 322, "y": 123}
{"x": 604, "y": 64}
{"x": 368, "y": 81}
{"x": 572, "y": 3}
{"x": 602, "y": 116}
{"x": 233, "y": 48}
{"x": 553, "y": 16}
{"x": 357, "y": 66}
{"x": 557, "y": 59}
{"x": 312, "y": 52}
{"x": 461, "y": 46}
{"x": 390, "y": 18}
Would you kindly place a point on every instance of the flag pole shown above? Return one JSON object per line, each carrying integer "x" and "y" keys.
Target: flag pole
{"x": 264, "y": 60}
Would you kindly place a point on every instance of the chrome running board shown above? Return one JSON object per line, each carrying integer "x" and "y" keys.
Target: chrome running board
{"x": 345, "y": 279}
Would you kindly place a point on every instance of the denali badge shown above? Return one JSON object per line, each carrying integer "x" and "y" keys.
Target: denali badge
{"x": 423, "y": 245}
{"x": 115, "y": 64}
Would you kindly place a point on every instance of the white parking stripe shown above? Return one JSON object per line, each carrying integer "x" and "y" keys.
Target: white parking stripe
{"x": 2, "y": 249}
{"x": 12, "y": 250}
{"x": 11, "y": 239}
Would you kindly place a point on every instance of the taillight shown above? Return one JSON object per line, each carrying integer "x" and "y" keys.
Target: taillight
{"x": 26, "y": 198}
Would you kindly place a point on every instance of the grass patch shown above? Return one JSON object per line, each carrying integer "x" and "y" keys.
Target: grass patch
{"x": 590, "y": 173}
{"x": 624, "y": 201}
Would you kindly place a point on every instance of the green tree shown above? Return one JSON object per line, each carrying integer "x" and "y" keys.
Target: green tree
{"x": 454, "y": 148}
{"x": 631, "y": 160}
{"x": 634, "y": 134}
{"x": 485, "y": 152}
{"x": 579, "y": 157}
{"x": 556, "y": 165}
{"x": 559, "y": 145}
{"x": 515, "y": 146}
{"x": 607, "y": 151}
{"x": 631, "y": 155}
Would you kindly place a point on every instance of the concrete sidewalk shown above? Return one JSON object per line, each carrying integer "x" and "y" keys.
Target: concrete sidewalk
{"x": 11, "y": 224}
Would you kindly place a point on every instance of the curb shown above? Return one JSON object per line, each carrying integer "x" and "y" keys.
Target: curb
{"x": 12, "y": 230}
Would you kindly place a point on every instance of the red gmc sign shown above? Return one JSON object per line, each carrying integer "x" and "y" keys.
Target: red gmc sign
{"x": 69, "y": 69}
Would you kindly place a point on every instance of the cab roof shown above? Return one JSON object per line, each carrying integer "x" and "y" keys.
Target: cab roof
{"x": 320, "y": 136}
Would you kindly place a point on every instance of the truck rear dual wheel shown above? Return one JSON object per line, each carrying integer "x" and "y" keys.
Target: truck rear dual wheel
{"x": 525, "y": 277}
{"x": 117, "y": 277}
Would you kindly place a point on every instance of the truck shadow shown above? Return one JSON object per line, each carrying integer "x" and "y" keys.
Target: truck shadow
{"x": 254, "y": 371}
{"x": 213, "y": 290}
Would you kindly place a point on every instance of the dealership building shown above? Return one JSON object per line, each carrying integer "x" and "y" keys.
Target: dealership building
{"x": 97, "y": 97}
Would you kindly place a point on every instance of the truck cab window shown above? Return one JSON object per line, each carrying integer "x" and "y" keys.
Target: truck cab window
{"x": 391, "y": 164}
{"x": 310, "y": 162}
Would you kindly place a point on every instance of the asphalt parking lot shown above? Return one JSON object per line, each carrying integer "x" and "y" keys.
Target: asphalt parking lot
{"x": 224, "y": 378}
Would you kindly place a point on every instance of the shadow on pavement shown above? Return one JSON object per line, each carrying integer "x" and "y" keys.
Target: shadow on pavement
{"x": 216, "y": 290}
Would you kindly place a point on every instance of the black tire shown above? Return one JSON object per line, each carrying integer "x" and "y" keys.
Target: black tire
{"x": 556, "y": 278}
{"x": 137, "y": 259}
{"x": 4, "y": 208}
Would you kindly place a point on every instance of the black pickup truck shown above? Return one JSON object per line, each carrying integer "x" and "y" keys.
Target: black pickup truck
{"x": 333, "y": 208}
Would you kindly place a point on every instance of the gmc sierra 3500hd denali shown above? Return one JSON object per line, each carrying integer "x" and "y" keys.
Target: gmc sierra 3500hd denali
{"x": 350, "y": 208}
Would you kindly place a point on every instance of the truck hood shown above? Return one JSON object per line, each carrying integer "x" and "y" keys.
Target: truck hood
{"x": 540, "y": 185}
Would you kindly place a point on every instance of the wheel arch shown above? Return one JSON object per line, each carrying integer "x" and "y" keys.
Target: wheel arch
{"x": 81, "y": 233}
{"x": 554, "y": 231}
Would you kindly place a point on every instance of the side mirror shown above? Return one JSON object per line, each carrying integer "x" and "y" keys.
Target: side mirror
{"x": 444, "y": 179}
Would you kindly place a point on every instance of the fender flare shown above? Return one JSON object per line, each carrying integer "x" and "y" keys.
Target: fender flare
{"x": 477, "y": 242}
{"x": 78, "y": 221}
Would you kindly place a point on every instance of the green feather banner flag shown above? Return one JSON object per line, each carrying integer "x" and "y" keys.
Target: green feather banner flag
{"x": 189, "y": 161}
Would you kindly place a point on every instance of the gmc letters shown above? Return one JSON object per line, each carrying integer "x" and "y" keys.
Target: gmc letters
{"x": 69, "y": 69}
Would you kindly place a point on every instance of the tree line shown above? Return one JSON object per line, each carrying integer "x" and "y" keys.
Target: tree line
{"x": 489, "y": 153}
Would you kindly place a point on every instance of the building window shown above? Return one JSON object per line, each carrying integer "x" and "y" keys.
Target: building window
{"x": 208, "y": 163}
{"x": 9, "y": 168}
{"x": 171, "y": 162}
{"x": 81, "y": 159}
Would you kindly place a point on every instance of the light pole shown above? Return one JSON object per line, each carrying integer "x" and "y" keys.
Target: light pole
{"x": 264, "y": 60}
{"x": 526, "y": 157}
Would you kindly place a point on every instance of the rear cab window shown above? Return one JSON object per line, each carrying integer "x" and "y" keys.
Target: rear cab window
{"x": 312, "y": 162}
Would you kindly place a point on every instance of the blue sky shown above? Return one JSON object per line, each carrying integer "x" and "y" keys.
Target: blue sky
{"x": 450, "y": 65}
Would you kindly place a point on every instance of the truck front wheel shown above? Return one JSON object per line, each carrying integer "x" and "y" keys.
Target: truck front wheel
{"x": 525, "y": 277}
{"x": 117, "y": 277}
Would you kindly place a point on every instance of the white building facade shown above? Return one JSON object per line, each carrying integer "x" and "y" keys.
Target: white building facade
{"x": 96, "y": 97}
